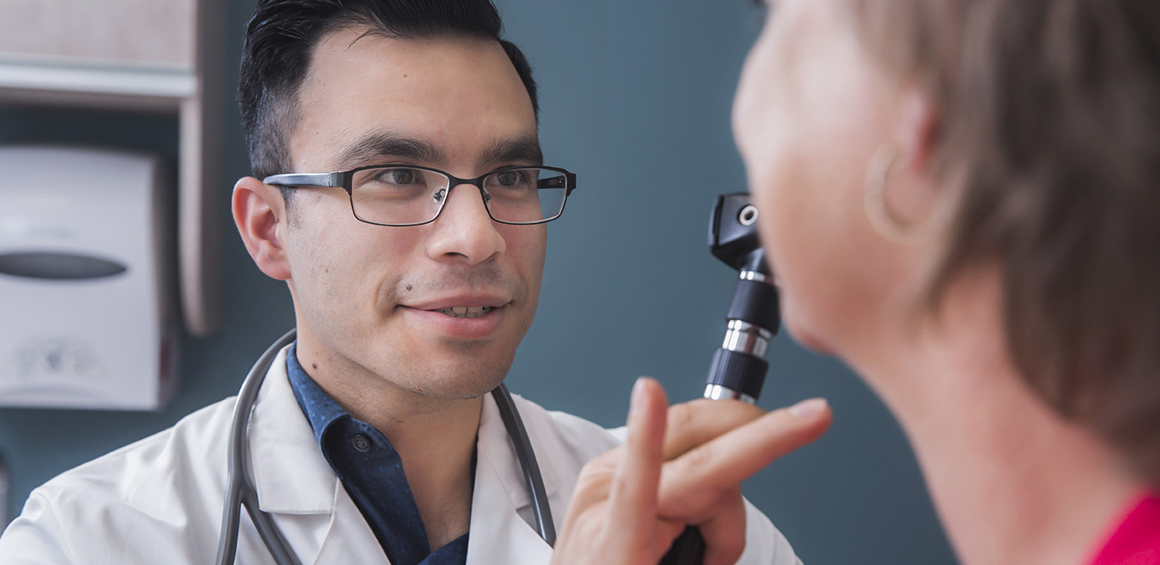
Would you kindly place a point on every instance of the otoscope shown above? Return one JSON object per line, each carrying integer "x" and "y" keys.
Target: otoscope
{"x": 739, "y": 365}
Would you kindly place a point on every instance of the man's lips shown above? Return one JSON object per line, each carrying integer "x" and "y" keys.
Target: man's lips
{"x": 465, "y": 317}
{"x": 465, "y": 311}
{"x": 461, "y": 307}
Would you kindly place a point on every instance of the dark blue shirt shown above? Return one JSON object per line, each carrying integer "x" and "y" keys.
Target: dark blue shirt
{"x": 372, "y": 473}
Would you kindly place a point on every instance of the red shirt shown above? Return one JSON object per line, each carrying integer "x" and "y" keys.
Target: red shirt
{"x": 1136, "y": 541}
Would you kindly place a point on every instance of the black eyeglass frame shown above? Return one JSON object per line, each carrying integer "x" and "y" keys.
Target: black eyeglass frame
{"x": 345, "y": 180}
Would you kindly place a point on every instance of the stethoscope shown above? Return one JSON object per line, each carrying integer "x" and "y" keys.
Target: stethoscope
{"x": 241, "y": 490}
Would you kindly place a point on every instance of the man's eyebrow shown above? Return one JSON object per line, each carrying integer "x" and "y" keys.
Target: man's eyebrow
{"x": 376, "y": 148}
{"x": 520, "y": 149}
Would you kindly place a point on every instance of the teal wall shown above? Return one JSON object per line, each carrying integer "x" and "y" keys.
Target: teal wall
{"x": 636, "y": 99}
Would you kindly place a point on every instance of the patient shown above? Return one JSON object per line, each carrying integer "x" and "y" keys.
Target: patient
{"x": 961, "y": 200}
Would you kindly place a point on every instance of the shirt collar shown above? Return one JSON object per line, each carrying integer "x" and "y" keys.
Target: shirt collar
{"x": 320, "y": 409}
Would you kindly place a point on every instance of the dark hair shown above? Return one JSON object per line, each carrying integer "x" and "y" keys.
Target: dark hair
{"x": 281, "y": 37}
{"x": 1050, "y": 133}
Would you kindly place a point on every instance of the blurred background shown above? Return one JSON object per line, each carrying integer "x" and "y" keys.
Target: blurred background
{"x": 635, "y": 98}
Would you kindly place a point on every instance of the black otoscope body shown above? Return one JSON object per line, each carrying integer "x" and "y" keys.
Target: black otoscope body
{"x": 739, "y": 366}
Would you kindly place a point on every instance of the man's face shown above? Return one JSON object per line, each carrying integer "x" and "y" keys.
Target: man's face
{"x": 374, "y": 303}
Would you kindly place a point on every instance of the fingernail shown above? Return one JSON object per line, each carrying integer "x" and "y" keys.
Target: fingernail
{"x": 808, "y": 409}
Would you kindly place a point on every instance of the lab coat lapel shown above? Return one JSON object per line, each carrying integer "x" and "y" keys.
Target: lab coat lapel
{"x": 349, "y": 538}
{"x": 289, "y": 472}
{"x": 295, "y": 484}
{"x": 498, "y": 533}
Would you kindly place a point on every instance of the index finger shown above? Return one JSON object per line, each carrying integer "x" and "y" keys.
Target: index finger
{"x": 696, "y": 422}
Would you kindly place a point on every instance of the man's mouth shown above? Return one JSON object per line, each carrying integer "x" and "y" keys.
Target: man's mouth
{"x": 466, "y": 311}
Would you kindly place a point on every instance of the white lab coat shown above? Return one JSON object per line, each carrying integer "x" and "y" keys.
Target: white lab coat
{"x": 160, "y": 499}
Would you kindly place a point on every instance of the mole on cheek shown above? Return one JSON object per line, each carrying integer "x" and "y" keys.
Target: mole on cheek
{"x": 408, "y": 287}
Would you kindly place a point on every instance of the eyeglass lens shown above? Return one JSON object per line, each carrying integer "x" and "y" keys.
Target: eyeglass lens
{"x": 401, "y": 195}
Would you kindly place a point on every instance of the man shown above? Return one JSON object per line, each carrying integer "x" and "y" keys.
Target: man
{"x": 373, "y": 436}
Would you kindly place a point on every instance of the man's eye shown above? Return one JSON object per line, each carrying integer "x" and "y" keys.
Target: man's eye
{"x": 507, "y": 178}
{"x": 398, "y": 176}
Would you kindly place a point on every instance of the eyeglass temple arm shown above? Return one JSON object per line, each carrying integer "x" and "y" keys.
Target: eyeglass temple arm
{"x": 553, "y": 182}
{"x": 306, "y": 179}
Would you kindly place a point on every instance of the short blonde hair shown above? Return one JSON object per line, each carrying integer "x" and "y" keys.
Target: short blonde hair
{"x": 1050, "y": 134}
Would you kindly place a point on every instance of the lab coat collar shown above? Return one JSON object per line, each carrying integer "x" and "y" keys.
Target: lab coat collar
{"x": 499, "y": 534}
{"x": 497, "y": 450}
{"x": 290, "y": 474}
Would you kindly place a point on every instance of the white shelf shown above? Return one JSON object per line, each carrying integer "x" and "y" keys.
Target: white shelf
{"x": 80, "y": 78}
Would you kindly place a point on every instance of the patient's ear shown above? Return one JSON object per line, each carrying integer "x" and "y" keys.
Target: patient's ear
{"x": 918, "y": 132}
{"x": 915, "y": 190}
{"x": 260, "y": 214}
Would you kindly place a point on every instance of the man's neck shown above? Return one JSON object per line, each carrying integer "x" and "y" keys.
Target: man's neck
{"x": 437, "y": 447}
{"x": 1012, "y": 482}
{"x": 435, "y": 439}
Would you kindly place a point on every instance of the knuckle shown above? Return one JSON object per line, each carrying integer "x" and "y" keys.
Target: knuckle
{"x": 698, "y": 458}
{"x": 680, "y": 416}
{"x": 593, "y": 480}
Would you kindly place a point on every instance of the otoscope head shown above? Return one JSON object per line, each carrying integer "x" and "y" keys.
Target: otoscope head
{"x": 739, "y": 365}
{"x": 733, "y": 234}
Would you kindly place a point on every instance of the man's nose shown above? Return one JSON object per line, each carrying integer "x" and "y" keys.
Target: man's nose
{"x": 464, "y": 231}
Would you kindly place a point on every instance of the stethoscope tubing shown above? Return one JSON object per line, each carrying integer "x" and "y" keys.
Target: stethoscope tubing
{"x": 531, "y": 469}
{"x": 240, "y": 489}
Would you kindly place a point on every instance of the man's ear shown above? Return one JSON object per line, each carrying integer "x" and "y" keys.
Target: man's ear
{"x": 260, "y": 214}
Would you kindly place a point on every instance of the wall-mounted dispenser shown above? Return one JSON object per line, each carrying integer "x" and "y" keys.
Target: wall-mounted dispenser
{"x": 138, "y": 56}
{"x": 87, "y": 296}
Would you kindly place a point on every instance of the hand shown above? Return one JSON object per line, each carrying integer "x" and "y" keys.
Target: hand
{"x": 680, "y": 466}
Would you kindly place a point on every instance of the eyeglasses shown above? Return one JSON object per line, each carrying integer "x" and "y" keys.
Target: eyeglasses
{"x": 408, "y": 195}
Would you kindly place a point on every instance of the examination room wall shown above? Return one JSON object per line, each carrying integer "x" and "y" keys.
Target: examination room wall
{"x": 635, "y": 98}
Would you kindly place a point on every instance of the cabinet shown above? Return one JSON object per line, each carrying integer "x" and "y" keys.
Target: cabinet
{"x": 137, "y": 55}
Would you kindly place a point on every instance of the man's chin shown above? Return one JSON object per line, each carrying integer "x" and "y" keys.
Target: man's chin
{"x": 462, "y": 380}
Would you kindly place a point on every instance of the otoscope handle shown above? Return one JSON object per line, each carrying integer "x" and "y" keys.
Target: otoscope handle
{"x": 738, "y": 372}
{"x": 739, "y": 366}
{"x": 755, "y": 301}
{"x": 687, "y": 549}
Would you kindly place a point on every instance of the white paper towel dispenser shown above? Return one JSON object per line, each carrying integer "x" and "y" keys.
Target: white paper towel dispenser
{"x": 87, "y": 298}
